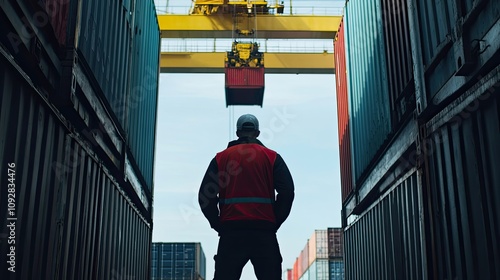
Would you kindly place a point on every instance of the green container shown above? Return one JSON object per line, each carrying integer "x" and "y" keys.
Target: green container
{"x": 143, "y": 95}
{"x": 368, "y": 94}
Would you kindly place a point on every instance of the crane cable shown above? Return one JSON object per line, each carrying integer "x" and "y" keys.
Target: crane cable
{"x": 232, "y": 131}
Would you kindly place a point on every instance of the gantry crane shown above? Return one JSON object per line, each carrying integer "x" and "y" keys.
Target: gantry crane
{"x": 244, "y": 22}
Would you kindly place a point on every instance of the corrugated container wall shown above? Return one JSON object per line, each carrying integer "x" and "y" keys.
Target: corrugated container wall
{"x": 369, "y": 105}
{"x": 74, "y": 220}
{"x": 455, "y": 41}
{"x": 377, "y": 240}
{"x": 399, "y": 60}
{"x": 434, "y": 209}
{"x": 335, "y": 243}
{"x": 117, "y": 48}
{"x": 63, "y": 110}
{"x": 343, "y": 112}
{"x": 463, "y": 185}
{"x": 318, "y": 245}
{"x": 103, "y": 31}
{"x": 143, "y": 98}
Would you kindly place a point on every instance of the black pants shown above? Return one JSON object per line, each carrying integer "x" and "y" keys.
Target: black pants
{"x": 237, "y": 247}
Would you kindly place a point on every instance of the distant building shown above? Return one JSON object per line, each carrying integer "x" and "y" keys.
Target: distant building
{"x": 321, "y": 258}
{"x": 177, "y": 261}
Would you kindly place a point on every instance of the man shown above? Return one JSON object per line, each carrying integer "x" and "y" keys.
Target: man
{"x": 242, "y": 181}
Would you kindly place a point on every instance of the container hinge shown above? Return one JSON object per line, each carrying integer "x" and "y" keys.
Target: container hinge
{"x": 479, "y": 47}
{"x": 466, "y": 55}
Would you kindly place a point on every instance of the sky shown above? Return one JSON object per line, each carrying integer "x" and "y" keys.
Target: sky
{"x": 298, "y": 120}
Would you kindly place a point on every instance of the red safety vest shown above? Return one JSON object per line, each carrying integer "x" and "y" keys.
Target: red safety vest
{"x": 246, "y": 183}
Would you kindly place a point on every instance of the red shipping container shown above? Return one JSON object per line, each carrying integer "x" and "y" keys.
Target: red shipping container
{"x": 244, "y": 85}
{"x": 295, "y": 272}
{"x": 343, "y": 113}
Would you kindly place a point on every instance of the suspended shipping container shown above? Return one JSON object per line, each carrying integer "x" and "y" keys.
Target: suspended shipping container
{"x": 369, "y": 103}
{"x": 244, "y": 85}
{"x": 343, "y": 112}
{"x": 72, "y": 217}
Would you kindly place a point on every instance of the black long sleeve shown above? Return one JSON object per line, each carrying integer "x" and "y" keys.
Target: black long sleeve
{"x": 283, "y": 184}
{"x": 208, "y": 195}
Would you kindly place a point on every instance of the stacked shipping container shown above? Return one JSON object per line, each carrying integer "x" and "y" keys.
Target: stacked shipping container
{"x": 142, "y": 98}
{"x": 177, "y": 261}
{"x": 319, "y": 248}
{"x": 425, "y": 194}
{"x": 83, "y": 184}
{"x": 367, "y": 85}
{"x": 336, "y": 253}
{"x": 343, "y": 113}
{"x": 295, "y": 269}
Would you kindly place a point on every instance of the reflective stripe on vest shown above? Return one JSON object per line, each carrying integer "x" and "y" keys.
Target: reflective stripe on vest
{"x": 246, "y": 200}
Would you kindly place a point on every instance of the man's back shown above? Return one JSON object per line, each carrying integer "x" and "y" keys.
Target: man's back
{"x": 238, "y": 197}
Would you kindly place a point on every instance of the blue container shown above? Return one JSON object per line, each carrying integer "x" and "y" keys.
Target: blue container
{"x": 369, "y": 105}
{"x": 177, "y": 261}
{"x": 336, "y": 268}
{"x": 143, "y": 97}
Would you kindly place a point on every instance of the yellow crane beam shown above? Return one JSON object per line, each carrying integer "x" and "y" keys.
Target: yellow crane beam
{"x": 267, "y": 26}
{"x": 213, "y": 62}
